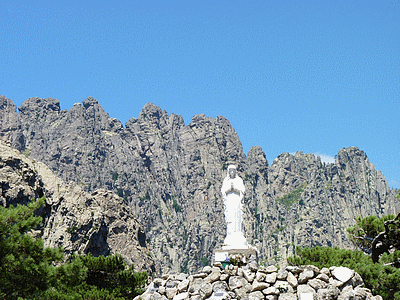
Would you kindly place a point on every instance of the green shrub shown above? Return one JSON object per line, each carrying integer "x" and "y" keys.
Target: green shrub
{"x": 28, "y": 270}
{"x": 292, "y": 197}
{"x": 382, "y": 279}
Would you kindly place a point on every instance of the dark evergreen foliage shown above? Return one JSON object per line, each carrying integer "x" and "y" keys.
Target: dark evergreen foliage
{"x": 292, "y": 197}
{"x": 25, "y": 265}
{"x": 28, "y": 270}
{"x": 382, "y": 279}
{"x": 379, "y": 237}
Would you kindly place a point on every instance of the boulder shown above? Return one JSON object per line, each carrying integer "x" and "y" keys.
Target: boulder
{"x": 213, "y": 276}
{"x": 294, "y": 269}
{"x": 267, "y": 270}
{"x": 305, "y": 276}
{"x": 256, "y": 296}
{"x": 330, "y": 293}
{"x": 249, "y": 275}
{"x": 305, "y": 289}
{"x": 181, "y": 296}
{"x": 287, "y": 296}
{"x": 292, "y": 280}
{"x": 171, "y": 292}
{"x": 317, "y": 284}
{"x": 283, "y": 286}
{"x": 242, "y": 293}
{"x": 259, "y": 286}
{"x": 282, "y": 275}
{"x": 271, "y": 278}
{"x": 195, "y": 285}
{"x": 342, "y": 273}
{"x": 205, "y": 290}
{"x": 183, "y": 285}
{"x": 271, "y": 291}
{"x": 260, "y": 276}
{"x": 323, "y": 277}
{"x": 224, "y": 277}
{"x": 220, "y": 286}
{"x": 236, "y": 282}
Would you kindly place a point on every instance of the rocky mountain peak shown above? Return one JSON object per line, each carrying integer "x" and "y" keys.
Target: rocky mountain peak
{"x": 89, "y": 101}
{"x": 6, "y": 104}
{"x": 257, "y": 160}
{"x": 8, "y": 118}
{"x": 224, "y": 122}
{"x": 351, "y": 154}
{"x": 39, "y": 106}
{"x": 153, "y": 115}
{"x": 169, "y": 176}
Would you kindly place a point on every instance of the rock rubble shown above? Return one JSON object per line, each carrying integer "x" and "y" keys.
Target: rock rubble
{"x": 271, "y": 283}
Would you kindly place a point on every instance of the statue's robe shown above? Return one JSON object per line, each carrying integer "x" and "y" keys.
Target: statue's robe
{"x": 233, "y": 212}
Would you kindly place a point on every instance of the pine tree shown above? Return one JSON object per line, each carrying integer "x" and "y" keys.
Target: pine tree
{"x": 103, "y": 277}
{"x": 28, "y": 270}
{"x": 377, "y": 236}
{"x": 25, "y": 265}
{"x": 380, "y": 278}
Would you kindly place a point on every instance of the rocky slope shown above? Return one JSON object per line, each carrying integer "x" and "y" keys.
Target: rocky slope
{"x": 169, "y": 175}
{"x": 99, "y": 223}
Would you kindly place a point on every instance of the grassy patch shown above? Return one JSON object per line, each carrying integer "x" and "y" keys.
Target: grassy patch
{"x": 292, "y": 197}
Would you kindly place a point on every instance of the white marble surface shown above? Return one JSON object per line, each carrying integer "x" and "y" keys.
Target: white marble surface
{"x": 232, "y": 193}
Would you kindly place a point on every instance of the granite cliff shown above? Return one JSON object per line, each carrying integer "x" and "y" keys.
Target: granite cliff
{"x": 99, "y": 223}
{"x": 169, "y": 175}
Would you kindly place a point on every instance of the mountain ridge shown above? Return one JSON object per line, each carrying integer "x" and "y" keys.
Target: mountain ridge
{"x": 169, "y": 175}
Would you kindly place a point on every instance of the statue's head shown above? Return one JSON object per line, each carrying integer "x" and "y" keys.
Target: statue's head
{"x": 232, "y": 171}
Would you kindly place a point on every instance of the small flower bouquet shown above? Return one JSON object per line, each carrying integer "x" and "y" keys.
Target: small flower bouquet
{"x": 226, "y": 262}
{"x": 236, "y": 259}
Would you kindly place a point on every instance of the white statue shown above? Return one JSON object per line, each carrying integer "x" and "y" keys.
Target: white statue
{"x": 233, "y": 192}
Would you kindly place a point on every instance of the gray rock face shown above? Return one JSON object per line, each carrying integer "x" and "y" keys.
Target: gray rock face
{"x": 169, "y": 175}
{"x": 100, "y": 223}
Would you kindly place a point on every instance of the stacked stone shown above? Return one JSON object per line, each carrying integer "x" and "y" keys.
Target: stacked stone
{"x": 260, "y": 282}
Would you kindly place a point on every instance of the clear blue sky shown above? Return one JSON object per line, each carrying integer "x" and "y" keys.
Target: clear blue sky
{"x": 314, "y": 76}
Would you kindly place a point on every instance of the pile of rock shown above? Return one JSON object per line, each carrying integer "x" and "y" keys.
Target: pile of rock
{"x": 254, "y": 283}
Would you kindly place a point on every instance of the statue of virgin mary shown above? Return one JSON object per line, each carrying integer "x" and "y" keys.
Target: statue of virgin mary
{"x": 232, "y": 193}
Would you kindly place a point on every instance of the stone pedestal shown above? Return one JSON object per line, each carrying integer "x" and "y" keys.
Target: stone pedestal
{"x": 249, "y": 255}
